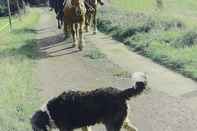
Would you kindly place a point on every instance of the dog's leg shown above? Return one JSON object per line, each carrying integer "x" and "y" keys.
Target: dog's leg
{"x": 86, "y": 128}
{"x": 128, "y": 126}
{"x": 63, "y": 129}
{"x": 112, "y": 127}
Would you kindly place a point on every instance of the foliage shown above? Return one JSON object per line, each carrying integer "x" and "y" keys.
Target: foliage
{"x": 188, "y": 39}
{"x": 13, "y": 7}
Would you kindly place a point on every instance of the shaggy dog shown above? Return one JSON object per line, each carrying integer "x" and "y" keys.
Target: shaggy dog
{"x": 76, "y": 109}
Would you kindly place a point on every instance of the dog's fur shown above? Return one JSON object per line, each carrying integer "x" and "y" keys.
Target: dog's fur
{"x": 76, "y": 109}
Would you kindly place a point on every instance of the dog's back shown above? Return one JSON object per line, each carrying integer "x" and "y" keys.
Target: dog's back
{"x": 77, "y": 109}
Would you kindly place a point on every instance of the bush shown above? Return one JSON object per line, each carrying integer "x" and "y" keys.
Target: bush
{"x": 3, "y": 10}
{"x": 188, "y": 39}
{"x": 171, "y": 24}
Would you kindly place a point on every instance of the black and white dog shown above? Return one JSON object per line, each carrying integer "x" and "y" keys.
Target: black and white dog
{"x": 76, "y": 109}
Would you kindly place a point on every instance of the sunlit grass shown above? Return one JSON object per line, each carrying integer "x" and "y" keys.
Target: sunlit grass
{"x": 3, "y": 21}
{"x": 185, "y": 10}
{"x": 134, "y": 5}
{"x": 17, "y": 88}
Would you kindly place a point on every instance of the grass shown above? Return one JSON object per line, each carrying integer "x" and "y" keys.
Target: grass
{"x": 169, "y": 40}
{"x": 18, "y": 96}
{"x": 184, "y": 10}
{"x": 134, "y": 5}
{"x": 121, "y": 73}
{"x": 94, "y": 54}
{"x": 3, "y": 21}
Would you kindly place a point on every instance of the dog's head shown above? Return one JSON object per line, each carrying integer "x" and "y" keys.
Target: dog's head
{"x": 40, "y": 121}
{"x": 139, "y": 80}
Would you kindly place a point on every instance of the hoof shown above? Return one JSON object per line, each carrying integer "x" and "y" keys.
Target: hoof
{"x": 86, "y": 28}
{"x": 94, "y": 33}
{"x": 80, "y": 47}
{"x": 73, "y": 45}
{"x": 102, "y": 3}
{"x": 66, "y": 35}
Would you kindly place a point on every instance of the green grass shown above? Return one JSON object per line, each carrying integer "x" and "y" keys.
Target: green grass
{"x": 134, "y": 5}
{"x": 94, "y": 54}
{"x": 184, "y": 10}
{"x": 3, "y": 21}
{"x": 121, "y": 73}
{"x": 169, "y": 40}
{"x": 18, "y": 96}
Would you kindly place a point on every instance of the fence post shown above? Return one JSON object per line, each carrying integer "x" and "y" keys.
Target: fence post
{"x": 9, "y": 12}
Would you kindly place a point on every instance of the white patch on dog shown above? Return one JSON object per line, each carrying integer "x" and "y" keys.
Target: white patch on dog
{"x": 44, "y": 109}
{"x": 139, "y": 77}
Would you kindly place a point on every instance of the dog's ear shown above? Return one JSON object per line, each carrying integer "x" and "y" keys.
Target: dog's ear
{"x": 39, "y": 121}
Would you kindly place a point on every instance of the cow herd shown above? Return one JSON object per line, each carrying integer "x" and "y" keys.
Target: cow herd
{"x": 76, "y": 16}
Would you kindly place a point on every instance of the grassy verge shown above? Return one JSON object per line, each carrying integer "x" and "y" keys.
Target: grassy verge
{"x": 168, "y": 41}
{"x": 17, "y": 93}
{"x": 3, "y": 21}
{"x": 94, "y": 54}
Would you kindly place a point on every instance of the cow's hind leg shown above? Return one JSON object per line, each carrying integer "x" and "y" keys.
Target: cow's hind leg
{"x": 77, "y": 30}
{"x": 58, "y": 24}
{"x": 73, "y": 34}
{"x": 81, "y": 41}
{"x": 66, "y": 30}
{"x": 58, "y": 20}
{"x": 87, "y": 21}
{"x": 94, "y": 23}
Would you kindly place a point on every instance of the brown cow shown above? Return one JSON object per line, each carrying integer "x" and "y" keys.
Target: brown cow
{"x": 74, "y": 18}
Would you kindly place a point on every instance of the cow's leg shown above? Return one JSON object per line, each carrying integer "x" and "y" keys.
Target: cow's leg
{"x": 73, "y": 34}
{"x": 59, "y": 24}
{"x": 77, "y": 30}
{"x": 100, "y": 2}
{"x": 81, "y": 35}
{"x": 61, "y": 17}
{"x": 87, "y": 21}
{"x": 94, "y": 22}
{"x": 58, "y": 20}
{"x": 66, "y": 30}
{"x": 86, "y": 128}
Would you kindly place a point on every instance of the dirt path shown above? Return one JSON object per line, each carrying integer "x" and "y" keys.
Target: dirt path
{"x": 63, "y": 68}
